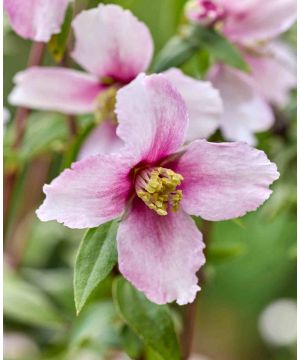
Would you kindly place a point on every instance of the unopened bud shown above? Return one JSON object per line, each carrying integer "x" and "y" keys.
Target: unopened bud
{"x": 204, "y": 12}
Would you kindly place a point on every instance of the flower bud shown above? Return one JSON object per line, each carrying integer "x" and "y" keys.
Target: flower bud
{"x": 204, "y": 12}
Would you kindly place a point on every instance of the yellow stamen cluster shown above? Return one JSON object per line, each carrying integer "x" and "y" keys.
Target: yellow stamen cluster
{"x": 157, "y": 188}
{"x": 106, "y": 102}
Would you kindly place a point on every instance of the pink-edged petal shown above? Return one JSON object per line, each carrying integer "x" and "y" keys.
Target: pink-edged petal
{"x": 93, "y": 191}
{"x": 102, "y": 140}
{"x": 56, "y": 89}
{"x": 111, "y": 41}
{"x": 36, "y": 19}
{"x": 203, "y": 102}
{"x": 152, "y": 117}
{"x": 275, "y": 72}
{"x": 245, "y": 110}
{"x": 160, "y": 255}
{"x": 224, "y": 180}
{"x": 260, "y": 20}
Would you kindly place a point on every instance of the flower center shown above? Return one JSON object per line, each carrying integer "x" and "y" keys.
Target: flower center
{"x": 157, "y": 187}
{"x": 204, "y": 12}
{"x": 105, "y": 105}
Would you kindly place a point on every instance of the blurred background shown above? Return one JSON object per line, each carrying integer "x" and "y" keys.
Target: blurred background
{"x": 246, "y": 309}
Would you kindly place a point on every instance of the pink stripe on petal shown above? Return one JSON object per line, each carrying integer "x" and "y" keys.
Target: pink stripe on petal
{"x": 57, "y": 89}
{"x": 111, "y": 41}
{"x": 160, "y": 255}
{"x": 224, "y": 180}
{"x": 92, "y": 192}
{"x": 36, "y": 19}
{"x": 152, "y": 117}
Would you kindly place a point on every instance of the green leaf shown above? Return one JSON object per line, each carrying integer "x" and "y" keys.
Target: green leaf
{"x": 198, "y": 65}
{"x": 95, "y": 326}
{"x": 56, "y": 283}
{"x": 219, "y": 47}
{"x": 152, "y": 355}
{"x": 27, "y": 304}
{"x": 45, "y": 132}
{"x": 218, "y": 254}
{"x": 97, "y": 255}
{"x": 204, "y": 62}
{"x": 131, "y": 343}
{"x": 153, "y": 323}
{"x": 176, "y": 52}
{"x": 58, "y": 42}
{"x": 180, "y": 49}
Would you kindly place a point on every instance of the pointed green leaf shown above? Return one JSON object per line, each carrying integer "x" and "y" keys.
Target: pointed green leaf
{"x": 219, "y": 47}
{"x": 45, "y": 132}
{"x": 180, "y": 49}
{"x": 153, "y": 323}
{"x": 175, "y": 53}
{"x": 97, "y": 255}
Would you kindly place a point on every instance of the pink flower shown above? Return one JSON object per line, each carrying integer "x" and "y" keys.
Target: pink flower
{"x": 154, "y": 185}
{"x": 113, "y": 47}
{"x": 204, "y": 107}
{"x": 274, "y": 72}
{"x": 36, "y": 19}
{"x": 247, "y": 97}
{"x": 245, "y": 109}
{"x": 245, "y": 22}
{"x": 251, "y": 21}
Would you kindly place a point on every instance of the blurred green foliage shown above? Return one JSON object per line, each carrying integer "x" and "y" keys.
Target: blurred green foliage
{"x": 251, "y": 261}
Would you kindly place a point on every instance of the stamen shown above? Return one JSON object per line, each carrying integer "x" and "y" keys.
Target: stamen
{"x": 157, "y": 187}
{"x": 106, "y": 102}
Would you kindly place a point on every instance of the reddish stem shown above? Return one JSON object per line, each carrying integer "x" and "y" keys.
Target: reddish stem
{"x": 35, "y": 58}
{"x": 72, "y": 125}
{"x": 188, "y": 329}
{"x": 9, "y": 181}
{"x": 191, "y": 309}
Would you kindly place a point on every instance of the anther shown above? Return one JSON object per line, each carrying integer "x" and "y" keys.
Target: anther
{"x": 105, "y": 105}
{"x": 157, "y": 187}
